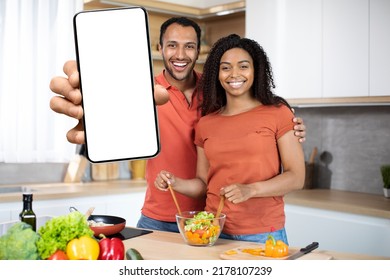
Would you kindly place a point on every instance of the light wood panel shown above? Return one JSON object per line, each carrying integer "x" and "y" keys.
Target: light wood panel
{"x": 175, "y": 9}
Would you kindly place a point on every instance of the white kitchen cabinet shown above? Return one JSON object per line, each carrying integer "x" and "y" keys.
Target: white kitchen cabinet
{"x": 345, "y": 48}
{"x": 324, "y": 48}
{"x": 379, "y": 47}
{"x": 290, "y": 33}
{"x": 126, "y": 205}
{"x": 338, "y": 231}
{"x": 57, "y": 207}
{"x": 5, "y": 214}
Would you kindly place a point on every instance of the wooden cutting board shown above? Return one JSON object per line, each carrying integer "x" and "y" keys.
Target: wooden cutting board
{"x": 238, "y": 254}
{"x": 76, "y": 169}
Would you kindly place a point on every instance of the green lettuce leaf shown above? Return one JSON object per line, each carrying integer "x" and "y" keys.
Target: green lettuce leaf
{"x": 57, "y": 232}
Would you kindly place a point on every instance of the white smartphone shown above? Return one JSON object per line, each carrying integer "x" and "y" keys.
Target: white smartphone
{"x": 116, "y": 83}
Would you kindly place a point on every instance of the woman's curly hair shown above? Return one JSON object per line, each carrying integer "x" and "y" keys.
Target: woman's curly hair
{"x": 214, "y": 96}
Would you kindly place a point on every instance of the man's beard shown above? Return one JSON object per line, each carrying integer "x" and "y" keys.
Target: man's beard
{"x": 173, "y": 75}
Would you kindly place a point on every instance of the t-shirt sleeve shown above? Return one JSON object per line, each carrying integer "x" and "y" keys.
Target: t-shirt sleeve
{"x": 285, "y": 121}
{"x": 198, "y": 135}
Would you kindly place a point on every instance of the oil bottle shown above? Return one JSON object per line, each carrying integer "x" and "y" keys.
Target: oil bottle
{"x": 27, "y": 215}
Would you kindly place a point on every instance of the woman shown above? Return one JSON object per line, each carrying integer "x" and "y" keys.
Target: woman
{"x": 245, "y": 142}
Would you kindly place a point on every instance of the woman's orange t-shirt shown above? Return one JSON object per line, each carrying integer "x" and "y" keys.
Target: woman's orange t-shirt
{"x": 243, "y": 149}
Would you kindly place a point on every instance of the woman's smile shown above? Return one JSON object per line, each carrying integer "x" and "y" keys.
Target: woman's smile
{"x": 236, "y": 84}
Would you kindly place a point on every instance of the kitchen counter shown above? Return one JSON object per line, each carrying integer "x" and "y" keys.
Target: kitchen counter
{"x": 160, "y": 245}
{"x": 343, "y": 201}
{"x": 125, "y": 198}
{"x": 349, "y": 202}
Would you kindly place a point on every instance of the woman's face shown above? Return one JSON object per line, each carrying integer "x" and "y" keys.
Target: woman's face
{"x": 236, "y": 72}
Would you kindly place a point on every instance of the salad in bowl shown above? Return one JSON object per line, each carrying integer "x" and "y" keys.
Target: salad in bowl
{"x": 200, "y": 228}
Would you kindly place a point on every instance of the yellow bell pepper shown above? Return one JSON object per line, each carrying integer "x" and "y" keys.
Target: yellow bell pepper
{"x": 83, "y": 248}
{"x": 275, "y": 249}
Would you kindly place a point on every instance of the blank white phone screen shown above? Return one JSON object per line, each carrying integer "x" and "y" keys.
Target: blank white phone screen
{"x": 116, "y": 82}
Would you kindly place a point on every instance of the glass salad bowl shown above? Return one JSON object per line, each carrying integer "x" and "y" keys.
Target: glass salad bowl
{"x": 200, "y": 228}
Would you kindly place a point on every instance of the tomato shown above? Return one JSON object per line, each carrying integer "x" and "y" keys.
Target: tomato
{"x": 199, "y": 231}
{"x": 58, "y": 255}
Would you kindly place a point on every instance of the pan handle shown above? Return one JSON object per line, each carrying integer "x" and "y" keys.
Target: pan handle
{"x": 87, "y": 215}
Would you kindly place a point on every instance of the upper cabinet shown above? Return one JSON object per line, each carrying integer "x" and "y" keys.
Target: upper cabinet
{"x": 325, "y": 51}
{"x": 215, "y": 21}
{"x": 379, "y": 47}
{"x": 321, "y": 51}
{"x": 290, "y": 33}
{"x": 345, "y": 48}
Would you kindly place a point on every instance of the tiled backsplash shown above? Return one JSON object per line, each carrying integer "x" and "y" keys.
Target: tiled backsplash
{"x": 31, "y": 173}
{"x": 353, "y": 142}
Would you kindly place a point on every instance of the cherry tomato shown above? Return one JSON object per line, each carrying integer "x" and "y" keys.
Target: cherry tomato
{"x": 58, "y": 255}
{"x": 199, "y": 231}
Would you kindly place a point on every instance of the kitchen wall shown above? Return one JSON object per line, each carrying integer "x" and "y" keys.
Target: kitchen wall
{"x": 46, "y": 173}
{"x": 31, "y": 173}
{"x": 353, "y": 142}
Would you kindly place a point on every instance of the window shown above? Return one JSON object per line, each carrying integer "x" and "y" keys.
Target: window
{"x": 36, "y": 38}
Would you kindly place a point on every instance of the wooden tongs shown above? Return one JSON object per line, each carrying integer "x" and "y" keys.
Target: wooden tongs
{"x": 220, "y": 206}
{"x": 174, "y": 197}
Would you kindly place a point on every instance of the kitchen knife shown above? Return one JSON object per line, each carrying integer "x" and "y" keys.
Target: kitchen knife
{"x": 303, "y": 251}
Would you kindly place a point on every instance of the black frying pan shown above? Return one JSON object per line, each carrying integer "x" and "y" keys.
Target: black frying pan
{"x": 115, "y": 224}
{"x": 118, "y": 224}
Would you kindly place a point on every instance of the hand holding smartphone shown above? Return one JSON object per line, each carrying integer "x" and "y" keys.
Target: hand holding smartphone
{"x": 116, "y": 83}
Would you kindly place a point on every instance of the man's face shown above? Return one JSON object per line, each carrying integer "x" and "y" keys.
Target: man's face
{"x": 179, "y": 51}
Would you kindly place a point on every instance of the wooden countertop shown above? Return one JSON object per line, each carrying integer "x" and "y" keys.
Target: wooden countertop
{"x": 160, "y": 245}
{"x": 349, "y": 202}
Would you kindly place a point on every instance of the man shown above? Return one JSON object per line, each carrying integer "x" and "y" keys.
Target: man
{"x": 179, "y": 46}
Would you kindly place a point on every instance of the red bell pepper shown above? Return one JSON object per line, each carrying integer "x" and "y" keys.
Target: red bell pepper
{"x": 111, "y": 248}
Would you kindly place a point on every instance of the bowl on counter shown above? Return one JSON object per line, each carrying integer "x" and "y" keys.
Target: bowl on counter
{"x": 200, "y": 228}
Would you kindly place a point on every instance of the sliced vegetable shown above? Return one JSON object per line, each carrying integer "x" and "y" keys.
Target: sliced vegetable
{"x": 111, "y": 248}
{"x": 133, "y": 254}
{"x": 201, "y": 230}
{"x": 275, "y": 248}
{"x": 254, "y": 251}
{"x": 83, "y": 248}
{"x": 231, "y": 252}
